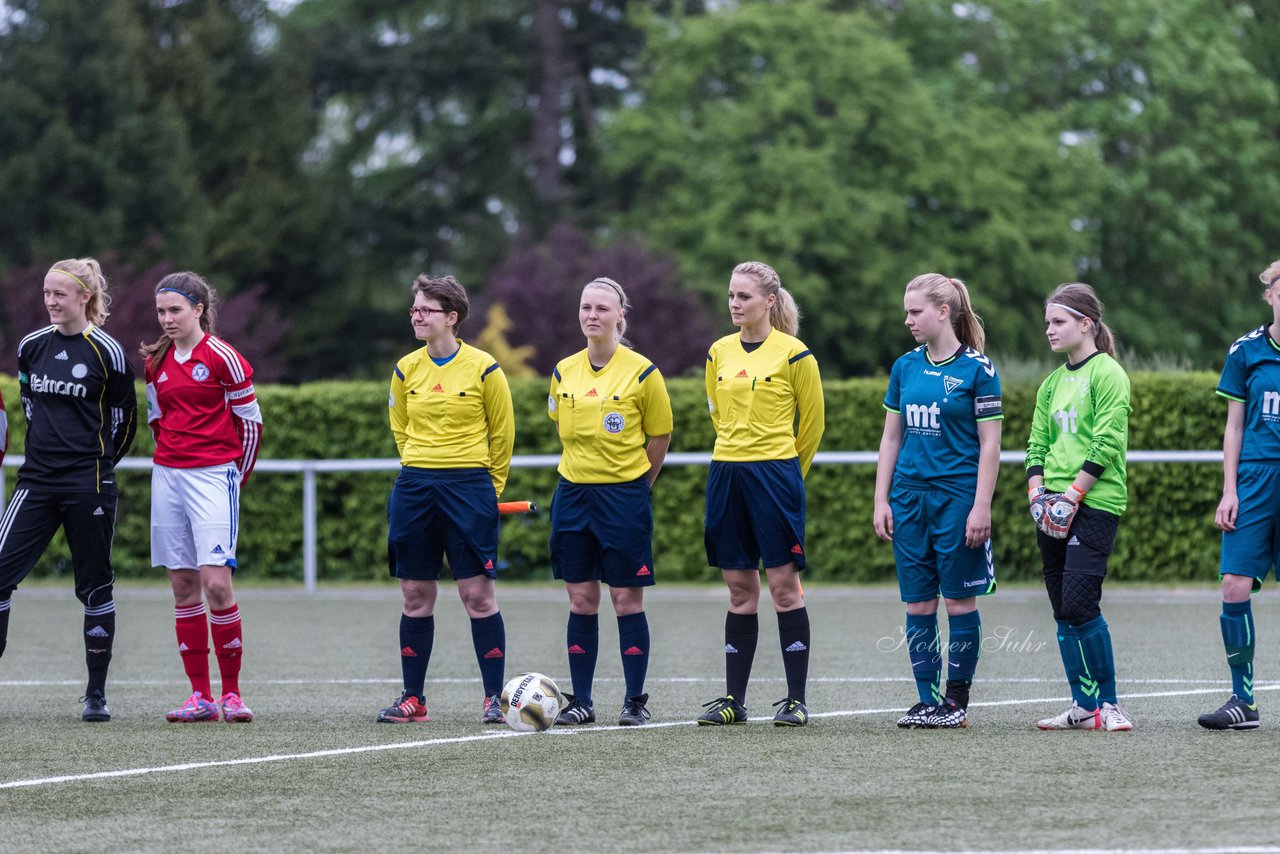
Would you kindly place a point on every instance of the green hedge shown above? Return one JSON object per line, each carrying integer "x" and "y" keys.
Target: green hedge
{"x": 348, "y": 420}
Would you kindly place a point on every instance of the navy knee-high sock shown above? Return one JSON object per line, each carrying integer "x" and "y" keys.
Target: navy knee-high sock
{"x": 417, "y": 635}
{"x": 582, "y": 639}
{"x": 4, "y": 623}
{"x": 633, "y": 642}
{"x": 964, "y": 644}
{"x": 741, "y": 634}
{"x": 793, "y": 635}
{"x": 489, "y": 636}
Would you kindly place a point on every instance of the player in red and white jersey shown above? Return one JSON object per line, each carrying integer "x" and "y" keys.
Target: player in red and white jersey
{"x": 207, "y": 426}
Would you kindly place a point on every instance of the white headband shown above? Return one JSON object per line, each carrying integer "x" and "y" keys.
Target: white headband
{"x": 1068, "y": 308}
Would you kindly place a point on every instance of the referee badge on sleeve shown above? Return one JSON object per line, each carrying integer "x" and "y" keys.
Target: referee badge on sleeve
{"x": 551, "y": 403}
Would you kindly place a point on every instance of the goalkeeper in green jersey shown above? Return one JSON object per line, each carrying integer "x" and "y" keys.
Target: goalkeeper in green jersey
{"x": 1077, "y": 490}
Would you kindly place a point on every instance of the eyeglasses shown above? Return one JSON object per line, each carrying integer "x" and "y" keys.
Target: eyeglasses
{"x": 425, "y": 312}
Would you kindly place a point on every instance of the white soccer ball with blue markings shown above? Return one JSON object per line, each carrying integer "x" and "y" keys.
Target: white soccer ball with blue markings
{"x": 531, "y": 702}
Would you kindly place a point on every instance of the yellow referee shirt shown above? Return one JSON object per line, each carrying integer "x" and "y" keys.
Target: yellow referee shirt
{"x": 754, "y": 398}
{"x": 454, "y": 416}
{"x": 604, "y": 416}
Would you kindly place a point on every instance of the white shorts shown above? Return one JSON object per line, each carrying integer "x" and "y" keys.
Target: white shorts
{"x": 195, "y": 516}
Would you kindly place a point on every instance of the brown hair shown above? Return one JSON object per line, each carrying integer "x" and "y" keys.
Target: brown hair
{"x": 1079, "y": 299}
{"x": 785, "y": 314}
{"x": 446, "y": 291}
{"x": 199, "y": 292}
{"x": 87, "y": 274}
{"x": 942, "y": 290}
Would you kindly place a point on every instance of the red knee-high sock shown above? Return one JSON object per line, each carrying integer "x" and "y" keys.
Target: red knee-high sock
{"x": 227, "y": 646}
{"x": 193, "y": 645}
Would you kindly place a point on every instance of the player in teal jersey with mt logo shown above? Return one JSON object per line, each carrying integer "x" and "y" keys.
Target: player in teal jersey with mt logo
{"x": 1077, "y": 489}
{"x": 939, "y": 457}
{"x": 1247, "y": 514}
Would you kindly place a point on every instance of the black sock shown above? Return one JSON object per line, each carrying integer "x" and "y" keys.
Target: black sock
{"x": 417, "y": 636}
{"x": 793, "y": 634}
{"x": 99, "y": 633}
{"x": 489, "y": 637}
{"x": 741, "y": 632}
{"x": 958, "y": 690}
{"x": 4, "y": 623}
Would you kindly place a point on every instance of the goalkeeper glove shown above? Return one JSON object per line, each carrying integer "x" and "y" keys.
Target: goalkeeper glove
{"x": 1057, "y": 521}
{"x": 1040, "y": 499}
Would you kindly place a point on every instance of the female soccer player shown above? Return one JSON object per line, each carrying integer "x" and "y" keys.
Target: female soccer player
{"x": 82, "y": 413}
{"x": 757, "y": 381}
{"x": 611, "y": 409}
{"x": 207, "y": 426}
{"x": 1247, "y": 514}
{"x": 1077, "y": 490}
{"x": 940, "y": 452}
{"x": 452, "y": 419}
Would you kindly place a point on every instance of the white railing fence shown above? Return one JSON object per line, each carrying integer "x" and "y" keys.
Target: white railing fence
{"x": 310, "y": 468}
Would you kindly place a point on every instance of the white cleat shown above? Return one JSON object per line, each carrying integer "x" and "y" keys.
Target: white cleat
{"x": 1115, "y": 719}
{"x": 1074, "y": 718}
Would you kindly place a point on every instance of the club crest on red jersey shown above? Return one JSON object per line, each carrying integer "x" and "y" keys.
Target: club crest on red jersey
{"x": 200, "y": 372}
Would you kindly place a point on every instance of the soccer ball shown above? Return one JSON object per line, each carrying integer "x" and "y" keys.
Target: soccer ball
{"x": 531, "y": 702}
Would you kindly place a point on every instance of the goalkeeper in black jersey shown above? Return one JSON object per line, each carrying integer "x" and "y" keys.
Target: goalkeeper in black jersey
{"x": 81, "y": 409}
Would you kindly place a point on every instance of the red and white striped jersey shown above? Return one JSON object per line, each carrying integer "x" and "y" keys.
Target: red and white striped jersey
{"x": 202, "y": 410}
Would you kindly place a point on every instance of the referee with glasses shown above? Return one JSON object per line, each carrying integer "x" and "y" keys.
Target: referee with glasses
{"x": 82, "y": 412}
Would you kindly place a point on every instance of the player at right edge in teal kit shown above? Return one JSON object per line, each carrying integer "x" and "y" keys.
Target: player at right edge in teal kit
{"x": 1077, "y": 488}
{"x": 1247, "y": 514}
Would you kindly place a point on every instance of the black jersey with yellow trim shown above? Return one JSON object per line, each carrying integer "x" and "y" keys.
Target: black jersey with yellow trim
{"x": 81, "y": 407}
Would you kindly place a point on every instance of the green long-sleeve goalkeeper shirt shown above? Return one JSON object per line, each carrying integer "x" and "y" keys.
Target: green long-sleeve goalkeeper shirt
{"x": 1081, "y": 422}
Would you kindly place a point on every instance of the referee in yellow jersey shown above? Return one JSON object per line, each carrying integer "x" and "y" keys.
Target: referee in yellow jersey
{"x": 613, "y": 414}
{"x": 757, "y": 382}
{"x": 452, "y": 420}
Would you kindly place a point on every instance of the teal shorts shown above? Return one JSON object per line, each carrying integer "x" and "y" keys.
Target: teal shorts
{"x": 1253, "y": 548}
{"x": 928, "y": 545}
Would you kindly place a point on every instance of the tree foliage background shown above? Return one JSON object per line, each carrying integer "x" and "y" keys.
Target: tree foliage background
{"x": 311, "y": 157}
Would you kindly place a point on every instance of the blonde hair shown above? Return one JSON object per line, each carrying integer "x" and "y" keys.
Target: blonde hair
{"x": 87, "y": 273}
{"x": 943, "y": 290}
{"x": 199, "y": 292}
{"x": 1270, "y": 275}
{"x": 785, "y": 314}
{"x": 1080, "y": 300}
{"x": 605, "y": 283}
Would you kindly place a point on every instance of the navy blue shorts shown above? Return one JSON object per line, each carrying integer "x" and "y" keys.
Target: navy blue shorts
{"x": 603, "y": 532}
{"x": 755, "y": 513}
{"x": 437, "y": 512}
{"x": 1253, "y": 548}
{"x": 929, "y": 548}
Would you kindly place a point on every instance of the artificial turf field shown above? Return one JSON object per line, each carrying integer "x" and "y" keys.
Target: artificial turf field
{"x": 315, "y": 772}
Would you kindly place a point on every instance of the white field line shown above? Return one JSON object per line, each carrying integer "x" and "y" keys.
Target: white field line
{"x": 389, "y": 680}
{"x": 1234, "y": 849}
{"x": 557, "y": 733}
